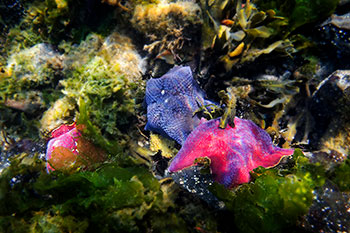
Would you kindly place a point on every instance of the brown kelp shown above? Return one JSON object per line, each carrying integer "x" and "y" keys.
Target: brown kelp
{"x": 240, "y": 32}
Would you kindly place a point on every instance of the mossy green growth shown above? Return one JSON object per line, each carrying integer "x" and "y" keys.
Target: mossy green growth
{"x": 112, "y": 198}
{"x": 341, "y": 175}
{"x": 35, "y": 68}
{"x": 106, "y": 94}
{"x": 103, "y": 75}
{"x": 300, "y": 12}
{"x": 27, "y": 87}
{"x": 49, "y": 20}
{"x": 275, "y": 198}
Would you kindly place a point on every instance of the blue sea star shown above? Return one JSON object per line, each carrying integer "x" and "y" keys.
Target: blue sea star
{"x": 171, "y": 101}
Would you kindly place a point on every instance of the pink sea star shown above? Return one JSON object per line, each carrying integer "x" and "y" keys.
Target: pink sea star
{"x": 233, "y": 151}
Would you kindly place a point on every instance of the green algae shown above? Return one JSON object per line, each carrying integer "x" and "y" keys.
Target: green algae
{"x": 43, "y": 20}
{"x": 108, "y": 94}
{"x": 101, "y": 91}
{"x": 119, "y": 195}
{"x": 300, "y": 12}
{"x": 341, "y": 176}
{"x": 276, "y": 198}
{"x": 112, "y": 198}
{"x": 52, "y": 21}
{"x": 35, "y": 68}
{"x": 28, "y": 88}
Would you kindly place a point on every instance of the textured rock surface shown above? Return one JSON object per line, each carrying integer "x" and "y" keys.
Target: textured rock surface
{"x": 330, "y": 111}
{"x": 329, "y": 211}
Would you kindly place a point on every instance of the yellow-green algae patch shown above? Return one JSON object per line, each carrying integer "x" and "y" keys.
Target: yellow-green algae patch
{"x": 170, "y": 27}
{"x": 105, "y": 74}
{"x": 61, "y": 112}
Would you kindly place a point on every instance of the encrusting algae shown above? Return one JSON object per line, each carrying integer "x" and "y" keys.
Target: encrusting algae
{"x": 170, "y": 27}
{"x": 61, "y": 112}
{"x": 108, "y": 82}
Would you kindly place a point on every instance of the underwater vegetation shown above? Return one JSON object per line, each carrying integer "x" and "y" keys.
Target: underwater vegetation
{"x": 278, "y": 197}
{"x": 172, "y": 29}
{"x": 116, "y": 198}
{"x": 102, "y": 107}
{"x": 27, "y": 86}
{"x": 50, "y": 21}
{"x": 108, "y": 82}
{"x": 238, "y": 32}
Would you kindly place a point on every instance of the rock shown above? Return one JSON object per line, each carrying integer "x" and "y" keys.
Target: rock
{"x": 171, "y": 27}
{"x": 330, "y": 110}
{"x": 197, "y": 182}
{"x": 335, "y": 32}
{"x": 329, "y": 211}
{"x": 61, "y": 112}
{"x": 38, "y": 65}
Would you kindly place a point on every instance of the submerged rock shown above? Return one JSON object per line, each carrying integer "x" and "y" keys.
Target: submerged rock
{"x": 336, "y": 32}
{"x": 197, "y": 182}
{"x": 330, "y": 110}
{"x": 35, "y": 66}
{"x": 121, "y": 51}
{"x": 171, "y": 27}
{"x": 329, "y": 211}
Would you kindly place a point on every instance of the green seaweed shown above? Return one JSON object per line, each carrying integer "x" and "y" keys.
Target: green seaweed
{"x": 27, "y": 88}
{"x": 275, "y": 198}
{"x": 300, "y": 12}
{"x": 51, "y": 21}
{"x": 341, "y": 175}
{"x": 112, "y": 198}
{"x": 106, "y": 94}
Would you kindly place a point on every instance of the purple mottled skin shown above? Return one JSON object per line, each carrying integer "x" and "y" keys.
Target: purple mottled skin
{"x": 171, "y": 101}
{"x": 233, "y": 152}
